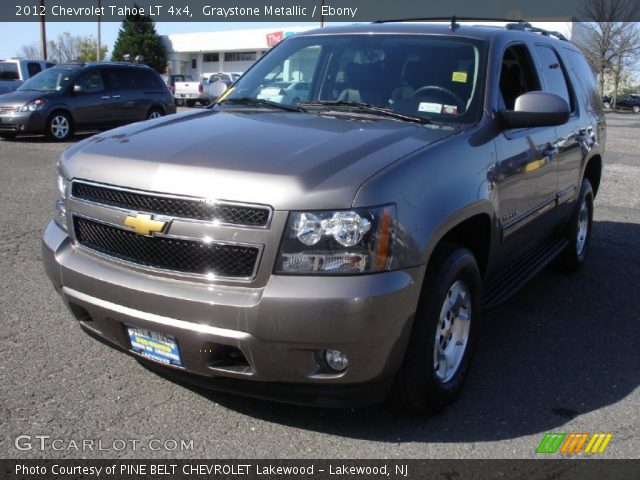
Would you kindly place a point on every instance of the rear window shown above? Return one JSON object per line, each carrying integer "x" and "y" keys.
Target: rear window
{"x": 584, "y": 76}
{"x": 9, "y": 71}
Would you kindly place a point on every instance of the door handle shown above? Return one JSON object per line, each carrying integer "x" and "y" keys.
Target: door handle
{"x": 116, "y": 96}
{"x": 106, "y": 97}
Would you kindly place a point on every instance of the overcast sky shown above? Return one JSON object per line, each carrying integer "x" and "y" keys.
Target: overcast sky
{"x": 16, "y": 34}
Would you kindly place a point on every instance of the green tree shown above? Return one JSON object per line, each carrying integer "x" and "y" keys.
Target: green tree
{"x": 138, "y": 36}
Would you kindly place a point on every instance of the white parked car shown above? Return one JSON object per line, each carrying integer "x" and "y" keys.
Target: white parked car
{"x": 290, "y": 93}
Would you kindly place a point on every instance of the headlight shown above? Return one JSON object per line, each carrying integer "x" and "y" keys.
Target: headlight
{"x": 338, "y": 242}
{"x": 60, "y": 208}
{"x": 32, "y": 106}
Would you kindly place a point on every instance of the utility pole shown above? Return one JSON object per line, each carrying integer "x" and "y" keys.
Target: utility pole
{"x": 43, "y": 33}
{"x": 99, "y": 46}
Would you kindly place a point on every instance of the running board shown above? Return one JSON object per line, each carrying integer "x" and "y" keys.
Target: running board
{"x": 507, "y": 284}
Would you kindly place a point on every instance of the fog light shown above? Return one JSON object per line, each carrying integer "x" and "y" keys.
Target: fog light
{"x": 336, "y": 360}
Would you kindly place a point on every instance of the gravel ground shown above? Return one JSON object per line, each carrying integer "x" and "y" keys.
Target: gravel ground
{"x": 561, "y": 356}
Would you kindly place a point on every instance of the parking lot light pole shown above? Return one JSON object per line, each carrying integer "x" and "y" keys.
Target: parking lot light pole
{"x": 43, "y": 33}
{"x": 98, "y": 42}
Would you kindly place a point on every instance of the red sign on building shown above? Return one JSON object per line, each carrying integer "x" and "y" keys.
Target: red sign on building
{"x": 274, "y": 38}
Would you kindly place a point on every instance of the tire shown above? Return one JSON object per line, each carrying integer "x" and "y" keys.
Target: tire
{"x": 59, "y": 127}
{"x": 636, "y": 109}
{"x": 424, "y": 384}
{"x": 578, "y": 232}
{"x": 190, "y": 103}
{"x": 155, "y": 113}
{"x": 179, "y": 102}
{"x": 204, "y": 103}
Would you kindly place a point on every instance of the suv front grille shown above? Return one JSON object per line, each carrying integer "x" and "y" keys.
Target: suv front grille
{"x": 252, "y": 216}
{"x": 187, "y": 256}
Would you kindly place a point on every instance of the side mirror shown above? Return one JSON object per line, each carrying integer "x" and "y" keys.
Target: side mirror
{"x": 536, "y": 109}
{"x": 77, "y": 89}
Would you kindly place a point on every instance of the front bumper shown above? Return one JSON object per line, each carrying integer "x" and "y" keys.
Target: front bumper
{"x": 22, "y": 122}
{"x": 279, "y": 329}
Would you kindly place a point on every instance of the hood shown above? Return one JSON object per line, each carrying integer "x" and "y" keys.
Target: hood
{"x": 288, "y": 160}
{"x": 21, "y": 98}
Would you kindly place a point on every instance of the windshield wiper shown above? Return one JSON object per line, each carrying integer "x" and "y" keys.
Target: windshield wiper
{"x": 262, "y": 103}
{"x": 387, "y": 112}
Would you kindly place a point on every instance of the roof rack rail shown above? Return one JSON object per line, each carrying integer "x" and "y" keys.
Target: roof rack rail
{"x": 451, "y": 19}
{"x": 527, "y": 27}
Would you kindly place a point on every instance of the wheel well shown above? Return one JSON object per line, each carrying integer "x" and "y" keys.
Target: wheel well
{"x": 61, "y": 110}
{"x": 593, "y": 172}
{"x": 156, "y": 107}
{"x": 474, "y": 234}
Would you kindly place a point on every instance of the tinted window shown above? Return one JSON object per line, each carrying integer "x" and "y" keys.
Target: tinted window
{"x": 33, "y": 68}
{"x": 9, "y": 71}
{"x": 516, "y": 75}
{"x": 133, "y": 79}
{"x": 584, "y": 75}
{"x": 553, "y": 73}
{"x": 90, "y": 82}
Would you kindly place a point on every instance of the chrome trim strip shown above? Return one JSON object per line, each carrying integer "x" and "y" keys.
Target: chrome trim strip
{"x": 75, "y": 243}
{"x": 528, "y": 217}
{"x": 266, "y": 226}
{"x": 152, "y": 317}
{"x": 567, "y": 194}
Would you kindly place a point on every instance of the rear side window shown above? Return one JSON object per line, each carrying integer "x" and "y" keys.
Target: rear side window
{"x": 133, "y": 79}
{"x": 584, "y": 76}
{"x": 9, "y": 71}
{"x": 33, "y": 68}
{"x": 553, "y": 73}
{"x": 90, "y": 82}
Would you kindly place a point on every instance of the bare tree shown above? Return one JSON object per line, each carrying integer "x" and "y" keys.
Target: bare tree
{"x": 612, "y": 37}
{"x": 66, "y": 48}
{"x": 31, "y": 51}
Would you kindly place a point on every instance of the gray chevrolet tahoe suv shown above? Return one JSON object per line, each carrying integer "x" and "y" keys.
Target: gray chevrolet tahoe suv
{"x": 341, "y": 250}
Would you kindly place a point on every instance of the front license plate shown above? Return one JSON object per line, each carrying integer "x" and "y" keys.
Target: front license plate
{"x": 156, "y": 346}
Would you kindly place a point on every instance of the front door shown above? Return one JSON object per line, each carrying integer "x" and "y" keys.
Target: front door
{"x": 90, "y": 100}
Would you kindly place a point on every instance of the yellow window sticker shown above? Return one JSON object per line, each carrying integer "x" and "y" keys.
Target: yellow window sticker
{"x": 460, "y": 77}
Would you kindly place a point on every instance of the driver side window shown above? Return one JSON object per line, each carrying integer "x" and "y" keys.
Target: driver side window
{"x": 516, "y": 75}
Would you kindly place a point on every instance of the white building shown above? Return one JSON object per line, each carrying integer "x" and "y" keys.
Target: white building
{"x": 203, "y": 53}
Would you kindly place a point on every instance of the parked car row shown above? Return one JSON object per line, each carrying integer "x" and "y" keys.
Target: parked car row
{"x": 628, "y": 102}
{"x": 188, "y": 91}
{"x": 69, "y": 97}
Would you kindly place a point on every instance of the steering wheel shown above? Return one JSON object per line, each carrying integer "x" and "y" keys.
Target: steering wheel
{"x": 435, "y": 88}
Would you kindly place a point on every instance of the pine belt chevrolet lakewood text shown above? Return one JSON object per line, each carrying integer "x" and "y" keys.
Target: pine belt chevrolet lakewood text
{"x": 338, "y": 249}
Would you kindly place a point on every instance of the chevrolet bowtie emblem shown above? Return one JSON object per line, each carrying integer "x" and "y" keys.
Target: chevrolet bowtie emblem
{"x": 144, "y": 224}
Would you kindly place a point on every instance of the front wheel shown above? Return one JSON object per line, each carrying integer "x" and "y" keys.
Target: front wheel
{"x": 154, "y": 113}
{"x": 636, "y": 109}
{"x": 578, "y": 232}
{"x": 59, "y": 127}
{"x": 444, "y": 333}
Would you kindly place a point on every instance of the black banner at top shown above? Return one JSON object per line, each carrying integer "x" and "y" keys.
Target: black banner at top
{"x": 316, "y": 10}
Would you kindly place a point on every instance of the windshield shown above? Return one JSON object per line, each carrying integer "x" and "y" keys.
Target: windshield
{"x": 426, "y": 76}
{"x": 50, "y": 80}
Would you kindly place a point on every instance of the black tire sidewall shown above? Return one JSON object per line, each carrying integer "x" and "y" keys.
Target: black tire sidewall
{"x": 426, "y": 393}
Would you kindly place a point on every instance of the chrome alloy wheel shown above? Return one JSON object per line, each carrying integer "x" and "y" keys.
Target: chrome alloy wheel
{"x": 452, "y": 333}
{"x": 60, "y": 126}
{"x": 583, "y": 227}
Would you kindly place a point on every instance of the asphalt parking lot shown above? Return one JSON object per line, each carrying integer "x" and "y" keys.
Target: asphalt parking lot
{"x": 562, "y": 356}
